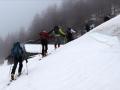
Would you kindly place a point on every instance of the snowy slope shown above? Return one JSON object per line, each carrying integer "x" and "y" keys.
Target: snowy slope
{"x": 91, "y": 62}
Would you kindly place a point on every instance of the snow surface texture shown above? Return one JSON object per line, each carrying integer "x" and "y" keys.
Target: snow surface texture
{"x": 91, "y": 62}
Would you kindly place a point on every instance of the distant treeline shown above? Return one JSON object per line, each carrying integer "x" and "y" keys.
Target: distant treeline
{"x": 72, "y": 13}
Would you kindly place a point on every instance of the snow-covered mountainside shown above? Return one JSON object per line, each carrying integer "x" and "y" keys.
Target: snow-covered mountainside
{"x": 91, "y": 62}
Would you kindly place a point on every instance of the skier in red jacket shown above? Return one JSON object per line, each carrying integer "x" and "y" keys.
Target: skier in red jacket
{"x": 44, "y": 37}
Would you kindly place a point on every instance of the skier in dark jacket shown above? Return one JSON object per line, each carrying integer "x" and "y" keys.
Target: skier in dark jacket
{"x": 87, "y": 27}
{"x": 106, "y": 18}
{"x": 44, "y": 37}
{"x": 17, "y": 54}
{"x": 69, "y": 34}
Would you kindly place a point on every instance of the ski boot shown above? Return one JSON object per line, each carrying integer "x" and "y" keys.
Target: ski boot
{"x": 12, "y": 77}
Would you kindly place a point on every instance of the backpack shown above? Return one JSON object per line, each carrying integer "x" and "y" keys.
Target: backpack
{"x": 17, "y": 50}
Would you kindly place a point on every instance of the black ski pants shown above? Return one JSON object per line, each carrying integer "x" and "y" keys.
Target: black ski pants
{"x": 44, "y": 43}
{"x": 16, "y": 61}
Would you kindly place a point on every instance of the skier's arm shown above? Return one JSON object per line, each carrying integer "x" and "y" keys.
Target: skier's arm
{"x": 26, "y": 60}
{"x": 62, "y": 33}
{"x": 73, "y": 31}
{"x": 24, "y": 54}
{"x": 51, "y": 31}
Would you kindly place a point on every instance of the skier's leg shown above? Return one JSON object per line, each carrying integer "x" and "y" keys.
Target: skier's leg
{"x": 20, "y": 67}
{"x": 58, "y": 44}
{"x": 15, "y": 66}
{"x": 46, "y": 48}
{"x": 59, "y": 41}
{"x": 42, "y": 50}
{"x": 55, "y": 45}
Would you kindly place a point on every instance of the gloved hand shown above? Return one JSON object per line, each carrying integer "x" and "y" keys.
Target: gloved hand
{"x": 64, "y": 35}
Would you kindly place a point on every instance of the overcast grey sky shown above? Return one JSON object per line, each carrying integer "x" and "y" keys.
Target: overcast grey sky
{"x": 15, "y": 14}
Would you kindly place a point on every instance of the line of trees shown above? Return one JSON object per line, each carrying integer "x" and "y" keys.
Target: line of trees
{"x": 72, "y": 13}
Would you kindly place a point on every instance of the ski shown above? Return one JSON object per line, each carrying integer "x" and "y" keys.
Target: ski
{"x": 16, "y": 77}
{"x": 9, "y": 83}
{"x": 45, "y": 56}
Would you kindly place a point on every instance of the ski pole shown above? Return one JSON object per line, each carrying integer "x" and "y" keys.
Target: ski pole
{"x": 10, "y": 70}
{"x": 27, "y": 68}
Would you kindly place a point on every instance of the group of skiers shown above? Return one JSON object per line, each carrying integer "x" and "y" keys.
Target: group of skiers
{"x": 57, "y": 34}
